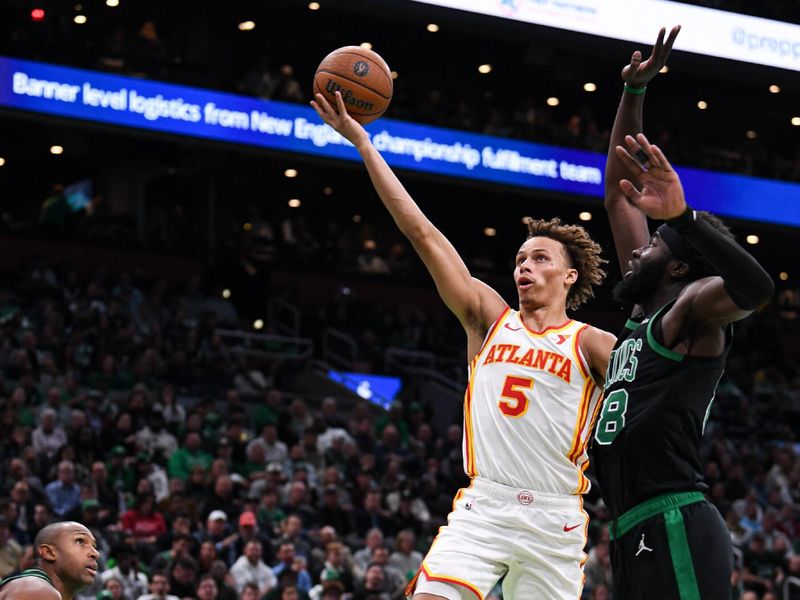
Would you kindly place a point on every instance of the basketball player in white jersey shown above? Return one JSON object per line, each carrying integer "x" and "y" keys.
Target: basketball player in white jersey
{"x": 534, "y": 390}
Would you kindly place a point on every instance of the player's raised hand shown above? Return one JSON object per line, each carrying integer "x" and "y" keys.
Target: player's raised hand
{"x": 338, "y": 118}
{"x": 661, "y": 196}
{"x": 638, "y": 73}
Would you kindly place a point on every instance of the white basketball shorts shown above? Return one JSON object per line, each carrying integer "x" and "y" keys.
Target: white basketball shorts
{"x": 534, "y": 540}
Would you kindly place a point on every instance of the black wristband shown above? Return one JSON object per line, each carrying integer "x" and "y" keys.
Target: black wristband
{"x": 687, "y": 217}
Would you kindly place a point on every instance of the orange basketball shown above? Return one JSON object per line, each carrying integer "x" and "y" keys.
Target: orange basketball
{"x": 361, "y": 76}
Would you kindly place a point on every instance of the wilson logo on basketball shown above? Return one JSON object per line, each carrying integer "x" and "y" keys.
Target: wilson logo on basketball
{"x": 347, "y": 95}
{"x": 525, "y": 497}
{"x": 361, "y": 68}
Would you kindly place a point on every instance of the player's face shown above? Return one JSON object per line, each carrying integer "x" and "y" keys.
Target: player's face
{"x": 542, "y": 272}
{"x": 646, "y": 270}
{"x": 77, "y": 555}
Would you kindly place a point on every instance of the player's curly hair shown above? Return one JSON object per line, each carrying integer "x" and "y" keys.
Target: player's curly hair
{"x": 582, "y": 254}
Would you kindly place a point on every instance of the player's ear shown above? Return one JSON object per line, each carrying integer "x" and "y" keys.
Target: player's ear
{"x": 678, "y": 269}
{"x": 46, "y": 552}
{"x": 571, "y": 277}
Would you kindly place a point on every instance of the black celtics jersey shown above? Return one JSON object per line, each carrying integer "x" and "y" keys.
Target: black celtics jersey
{"x": 647, "y": 439}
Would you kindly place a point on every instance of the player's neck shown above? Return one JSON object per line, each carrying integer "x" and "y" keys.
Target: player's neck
{"x": 659, "y": 298}
{"x": 538, "y": 319}
{"x": 58, "y": 583}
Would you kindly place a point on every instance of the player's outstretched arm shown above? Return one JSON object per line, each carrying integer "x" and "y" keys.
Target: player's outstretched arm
{"x": 628, "y": 224}
{"x": 742, "y": 285}
{"x": 473, "y": 302}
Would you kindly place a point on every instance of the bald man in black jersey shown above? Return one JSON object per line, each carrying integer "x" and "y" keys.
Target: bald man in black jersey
{"x": 66, "y": 555}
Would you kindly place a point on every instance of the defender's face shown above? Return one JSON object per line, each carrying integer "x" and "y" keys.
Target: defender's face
{"x": 656, "y": 252}
{"x": 542, "y": 272}
{"x": 646, "y": 269}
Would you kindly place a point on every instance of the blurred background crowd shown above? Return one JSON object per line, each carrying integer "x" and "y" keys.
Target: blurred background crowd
{"x": 165, "y": 351}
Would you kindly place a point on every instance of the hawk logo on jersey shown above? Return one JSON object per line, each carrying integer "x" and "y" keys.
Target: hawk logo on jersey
{"x": 508, "y": 326}
{"x": 525, "y": 497}
{"x": 560, "y": 339}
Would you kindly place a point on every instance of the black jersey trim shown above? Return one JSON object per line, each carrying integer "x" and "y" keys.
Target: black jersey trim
{"x": 654, "y": 343}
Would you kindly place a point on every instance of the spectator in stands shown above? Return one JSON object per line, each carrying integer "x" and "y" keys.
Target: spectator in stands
{"x": 10, "y": 550}
{"x": 297, "y": 501}
{"x": 159, "y": 589}
{"x": 206, "y": 557}
{"x": 173, "y": 413}
{"x": 223, "y": 498}
{"x": 598, "y": 563}
{"x": 405, "y": 558}
{"x": 218, "y": 532}
{"x": 395, "y": 580}
{"x": 48, "y": 438}
{"x": 332, "y": 512}
{"x": 288, "y": 561}
{"x": 226, "y": 585}
{"x": 183, "y": 575}
{"x": 760, "y": 567}
{"x": 292, "y": 532}
{"x": 126, "y": 571}
{"x": 374, "y": 586}
{"x": 154, "y": 439}
{"x": 180, "y": 545}
{"x": 249, "y": 568}
{"x": 363, "y": 557}
{"x": 144, "y": 522}
{"x": 336, "y": 566}
{"x": 63, "y": 493}
{"x": 250, "y": 531}
{"x": 372, "y": 514}
{"x": 274, "y": 449}
{"x": 188, "y": 456}
{"x": 113, "y": 589}
{"x": 207, "y": 588}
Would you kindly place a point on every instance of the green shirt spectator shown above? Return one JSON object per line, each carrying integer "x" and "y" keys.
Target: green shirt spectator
{"x": 191, "y": 454}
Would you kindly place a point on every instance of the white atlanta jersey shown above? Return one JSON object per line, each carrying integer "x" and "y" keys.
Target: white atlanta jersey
{"x": 529, "y": 408}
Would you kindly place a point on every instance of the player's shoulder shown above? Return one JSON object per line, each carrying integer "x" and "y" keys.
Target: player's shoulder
{"x": 596, "y": 344}
{"x": 29, "y": 588}
{"x": 592, "y": 334}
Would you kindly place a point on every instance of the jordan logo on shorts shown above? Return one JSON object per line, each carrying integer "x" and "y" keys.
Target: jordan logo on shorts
{"x": 642, "y": 547}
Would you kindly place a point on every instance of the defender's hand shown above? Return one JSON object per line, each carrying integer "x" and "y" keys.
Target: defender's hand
{"x": 661, "y": 196}
{"x": 639, "y": 73}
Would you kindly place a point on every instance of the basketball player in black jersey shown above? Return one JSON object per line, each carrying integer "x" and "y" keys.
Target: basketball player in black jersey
{"x": 66, "y": 554}
{"x": 688, "y": 281}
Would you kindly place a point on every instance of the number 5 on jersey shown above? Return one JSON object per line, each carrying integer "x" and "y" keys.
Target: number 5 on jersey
{"x": 514, "y": 389}
{"x": 612, "y": 419}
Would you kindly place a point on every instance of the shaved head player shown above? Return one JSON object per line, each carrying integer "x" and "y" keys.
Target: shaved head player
{"x": 66, "y": 555}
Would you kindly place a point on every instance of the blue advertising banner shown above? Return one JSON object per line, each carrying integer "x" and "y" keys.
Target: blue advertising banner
{"x": 200, "y": 113}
